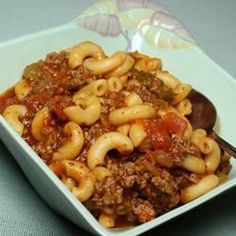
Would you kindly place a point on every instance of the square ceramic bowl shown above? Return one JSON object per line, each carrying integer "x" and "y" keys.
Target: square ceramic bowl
{"x": 130, "y": 26}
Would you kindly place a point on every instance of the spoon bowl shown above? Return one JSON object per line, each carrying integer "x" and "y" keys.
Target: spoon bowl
{"x": 204, "y": 115}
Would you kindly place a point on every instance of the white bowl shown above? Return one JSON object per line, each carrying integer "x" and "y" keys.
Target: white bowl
{"x": 141, "y": 29}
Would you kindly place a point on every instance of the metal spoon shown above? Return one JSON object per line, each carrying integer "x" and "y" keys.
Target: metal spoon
{"x": 204, "y": 116}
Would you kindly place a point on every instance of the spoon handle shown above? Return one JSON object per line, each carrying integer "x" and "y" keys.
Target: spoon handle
{"x": 227, "y": 147}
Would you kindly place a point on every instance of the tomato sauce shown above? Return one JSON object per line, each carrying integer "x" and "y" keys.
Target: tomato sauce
{"x": 144, "y": 183}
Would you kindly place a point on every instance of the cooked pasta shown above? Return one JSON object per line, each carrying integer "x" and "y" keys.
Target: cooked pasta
{"x": 115, "y": 131}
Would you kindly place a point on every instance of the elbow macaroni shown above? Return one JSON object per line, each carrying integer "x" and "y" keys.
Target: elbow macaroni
{"x": 104, "y": 131}
{"x": 101, "y": 172}
{"x": 197, "y": 136}
{"x": 114, "y": 84}
{"x": 182, "y": 91}
{"x": 12, "y": 114}
{"x": 133, "y": 99}
{"x": 194, "y": 164}
{"x": 105, "y": 143}
{"x": 148, "y": 64}
{"x": 38, "y": 123}
{"x": 107, "y": 220}
{"x": 168, "y": 79}
{"x": 127, "y": 114}
{"x": 123, "y": 129}
{"x": 69, "y": 182}
{"x": 98, "y": 88}
{"x": 86, "y": 112}
{"x": 73, "y": 145}
{"x": 83, "y": 176}
{"x": 196, "y": 190}
{"x": 212, "y": 154}
{"x": 22, "y": 89}
{"x": 184, "y": 107}
{"x": 137, "y": 133}
{"x": 105, "y": 65}
{"x": 83, "y": 50}
{"x": 123, "y": 68}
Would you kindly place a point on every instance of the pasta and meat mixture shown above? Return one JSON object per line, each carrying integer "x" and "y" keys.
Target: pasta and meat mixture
{"x": 115, "y": 130}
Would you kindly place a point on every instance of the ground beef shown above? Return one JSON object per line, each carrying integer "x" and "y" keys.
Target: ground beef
{"x": 148, "y": 96}
{"x": 129, "y": 173}
{"x": 54, "y": 140}
{"x": 94, "y": 131}
{"x": 44, "y": 150}
{"x": 57, "y": 59}
{"x": 111, "y": 101}
{"x": 108, "y": 193}
{"x": 181, "y": 146}
{"x": 125, "y": 174}
{"x": 71, "y": 80}
{"x": 91, "y": 133}
{"x": 57, "y": 104}
{"x": 141, "y": 187}
{"x": 146, "y": 144}
{"x": 165, "y": 189}
{"x": 139, "y": 210}
{"x": 79, "y": 78}
{"x": 164, "y": 159}
{"x": 183, "y": 177}
{"x": 150, "y": 88}
{"x": 174, "y": 155}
